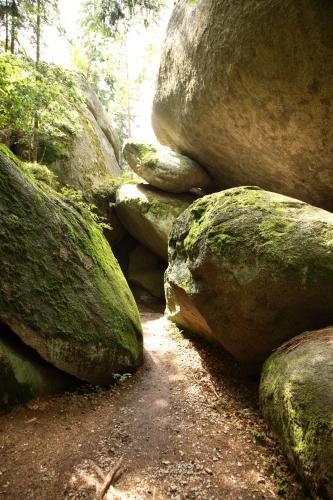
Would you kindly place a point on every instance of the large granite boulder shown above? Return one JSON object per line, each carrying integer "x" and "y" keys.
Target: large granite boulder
{"x": 25, "y": 375}
{"x": 296, "y": 395}
{"x": 163, "y": 168}
{"x": 62, "y": 291}
{"x": 245, "y": 89}
{"x": 251, "y": 269}
{"x": 94, "y": 152}
{"x": 148, "y": 214}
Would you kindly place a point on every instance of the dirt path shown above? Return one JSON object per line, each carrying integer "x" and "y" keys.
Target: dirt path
{"x": 186, "y": 424}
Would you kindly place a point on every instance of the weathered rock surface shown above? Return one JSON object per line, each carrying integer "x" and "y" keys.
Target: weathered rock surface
{"x": 296, "y": 395}
{"x": 62, "y": 291}
{"x": 163, "y": 168}
{"x": 24, "y": 375}
{"x": 251, "y": 269}
{"x": 94, "y": 152}
{"x": 148, "y": 214}
{"x": 146, "y": 270}
{"x": 245, "y": 89}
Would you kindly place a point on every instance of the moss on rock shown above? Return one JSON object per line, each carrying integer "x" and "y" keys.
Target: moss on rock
{"x": 257, "y": 266}
{"x": 148, "y": 214}
{"x": 296, "y": 396}
{"x": 62, "y": 291}
{"x": 24, "y": 375}
{"x": 165, "y": 169}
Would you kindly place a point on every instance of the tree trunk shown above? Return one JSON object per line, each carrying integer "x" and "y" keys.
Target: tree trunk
{"x": 7, "y": 27}
{"x": 13, "y": 27}
{"x": 129, "y": 113}
{"x": 36, "y": 123}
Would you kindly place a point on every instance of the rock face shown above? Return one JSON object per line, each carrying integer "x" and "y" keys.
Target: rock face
{"x": 62, "y": 291}
{"x": 251, "y": 269}
{"x": 163, "y": 168}
{"x": 94, "y": 152}
{"x": 146, "y": 270}
{"x": 245, "y": 89}
{"x": 148, "y": 214}
{"x": 24, "y": 375}
{"x": 296, "y": 394}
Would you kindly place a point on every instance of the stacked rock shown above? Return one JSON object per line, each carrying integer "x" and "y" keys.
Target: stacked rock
{"x": 148, "y": 210}
{"x": 247, "y": 91}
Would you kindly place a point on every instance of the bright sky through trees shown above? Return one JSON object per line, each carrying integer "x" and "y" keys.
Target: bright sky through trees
{"x": 58, "y": 50}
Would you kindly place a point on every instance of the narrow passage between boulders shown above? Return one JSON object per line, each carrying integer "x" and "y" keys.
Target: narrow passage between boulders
{"x": 186, "y": 426}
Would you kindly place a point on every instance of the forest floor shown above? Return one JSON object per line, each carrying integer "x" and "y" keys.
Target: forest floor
{"x": 187, "y": 425}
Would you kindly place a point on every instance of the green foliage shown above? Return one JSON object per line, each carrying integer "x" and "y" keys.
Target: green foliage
{"x": 102, "y": 54}
{"x": 19, "y": 18}
{"x": 75, "y": 198}
{"x": 120, "y": 378}
{"x": 41, "y": 173}
{"x": 110, "y": 16}
{"x": 37, "y": 173}
{"x": 51, "y": 95}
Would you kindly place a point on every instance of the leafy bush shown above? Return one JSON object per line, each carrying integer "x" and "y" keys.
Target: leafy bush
{"x": 48, "y": 94}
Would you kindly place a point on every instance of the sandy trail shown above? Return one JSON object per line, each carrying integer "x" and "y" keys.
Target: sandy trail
{"x": 186, "y": 425}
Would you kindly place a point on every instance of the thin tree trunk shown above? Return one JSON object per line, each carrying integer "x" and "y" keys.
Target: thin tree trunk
{"x": 7, "y": 27}
{"x": 129, "y": 113}
{"x": 13, "y": 27}
{"x": 36, "y": 123}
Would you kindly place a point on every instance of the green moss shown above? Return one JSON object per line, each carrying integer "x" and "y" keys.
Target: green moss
{"x": 297, "y": 400}
{"x": 10, "y": 155}
{"x": 65, "y": 283}
{"x": 238, "y": 223}
{"x": 11, "y": 391}
{"x": 24, "y": 375}
{"x": 145, "y": 154}
{"x": 41, "y": 173}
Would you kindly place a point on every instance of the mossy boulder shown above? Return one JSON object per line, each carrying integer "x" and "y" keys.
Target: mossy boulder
{"x": 165, "y": 169}
{"x": 62, "y": 291}
{"x": 245, "y": 89}
{"x": 25, "y": 375}
{"x": 251, "y": 269}
{"x": 296, "y": 396}
{"x": 148, "y": 213}
{"x": 93, "y": 156}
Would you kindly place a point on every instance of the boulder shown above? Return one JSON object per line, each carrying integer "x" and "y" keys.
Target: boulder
{"x": 296, "y": 396}
{"x": 148, "y": 214}
{"x": 94, "y": 151}
{"x": 146, "y": 270}
{"x": 24, "y": 375}
{"x": 250, "y": 269}
{"x": 62, "y": 291}
{"x": 163, "y": 168}
{"x": 245, "y": 89}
